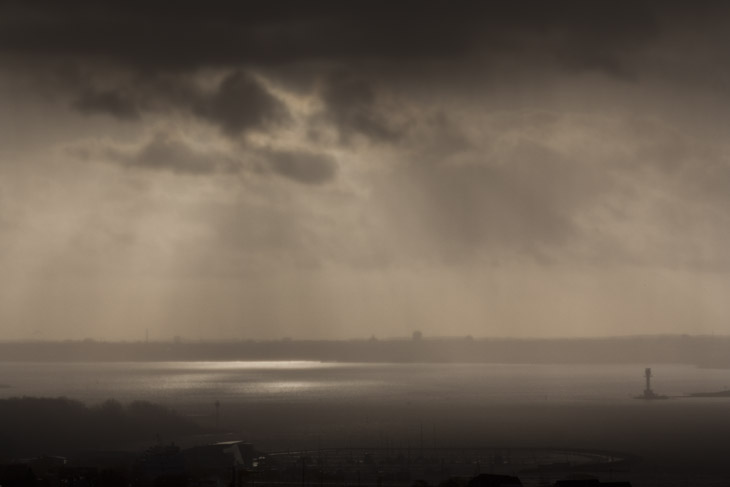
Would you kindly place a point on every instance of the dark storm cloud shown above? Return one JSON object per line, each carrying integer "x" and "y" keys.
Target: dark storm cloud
{"x": 237, "y": 105}
{"x": 303, "y": 167}
{"x": 166, "y": 152}
{"x": 351, "y": 104}
{"x": 351, "y": 51}
{"x": 163, "y": 152}
{"x": 108, "y": 102}
{"x": 230, "y": 32}
{"x": 188, "y": 36}
{"x": 240, "y": 104}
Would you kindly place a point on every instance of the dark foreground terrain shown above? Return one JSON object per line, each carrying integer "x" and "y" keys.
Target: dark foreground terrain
{"x": 31, "y": 426}
{"x": 672, "y": 442}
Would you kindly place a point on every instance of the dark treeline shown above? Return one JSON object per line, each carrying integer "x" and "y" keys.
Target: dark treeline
{"x": 709, "y": 351}
{"x": 30, "y": 425}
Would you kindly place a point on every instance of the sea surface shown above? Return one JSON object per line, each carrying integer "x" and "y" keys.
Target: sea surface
{"x": 190, "y": 383}
{"x": 284, "y": 406}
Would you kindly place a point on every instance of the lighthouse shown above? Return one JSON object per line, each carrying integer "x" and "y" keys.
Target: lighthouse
{"x": 648, "y": 392}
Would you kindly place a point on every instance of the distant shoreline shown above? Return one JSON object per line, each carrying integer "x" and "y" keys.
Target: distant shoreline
{"x": 701, "y": 351}
{"x": 725, "y": 393}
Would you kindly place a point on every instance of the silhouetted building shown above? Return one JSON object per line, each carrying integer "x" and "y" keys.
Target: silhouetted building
{"x": 17, "y": 475}
{"x": 492, "y": 480}
{"x": 47, "y": 468}
{"x": 589, "y": 483}
{"x": 160, "y": 464}
{"x": 218, "y": 465}
{"x": 78, "y": 476}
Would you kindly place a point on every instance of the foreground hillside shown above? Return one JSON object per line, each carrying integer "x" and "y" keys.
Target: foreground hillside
{"x": 32, "y": 425}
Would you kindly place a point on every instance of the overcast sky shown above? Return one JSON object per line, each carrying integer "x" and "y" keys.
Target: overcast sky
{"x": 348, "y": 169}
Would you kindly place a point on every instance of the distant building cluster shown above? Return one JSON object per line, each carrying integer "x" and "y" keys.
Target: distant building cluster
{"x": 225, "y": 464}
{"x": 237, "y": 464}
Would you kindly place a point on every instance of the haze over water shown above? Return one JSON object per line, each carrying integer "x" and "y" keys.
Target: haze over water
{"x": 183, "y": 384}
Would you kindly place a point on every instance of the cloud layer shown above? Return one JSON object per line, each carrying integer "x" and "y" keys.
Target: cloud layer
{"x": 511, "y": 167}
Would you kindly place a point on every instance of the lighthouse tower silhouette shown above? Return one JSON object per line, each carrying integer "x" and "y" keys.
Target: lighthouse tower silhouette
{"x": 648, "y": 392}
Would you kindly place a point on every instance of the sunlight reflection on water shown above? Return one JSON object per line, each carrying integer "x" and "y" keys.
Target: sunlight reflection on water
{"x": 247, "y": 382}
{"x": 253, "y": 365}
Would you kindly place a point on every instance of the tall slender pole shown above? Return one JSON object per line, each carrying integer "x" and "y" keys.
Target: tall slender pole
{"x": 421, "y": 439}
{"x": 647, "y": 373}
{"x": 303, "y": 470}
